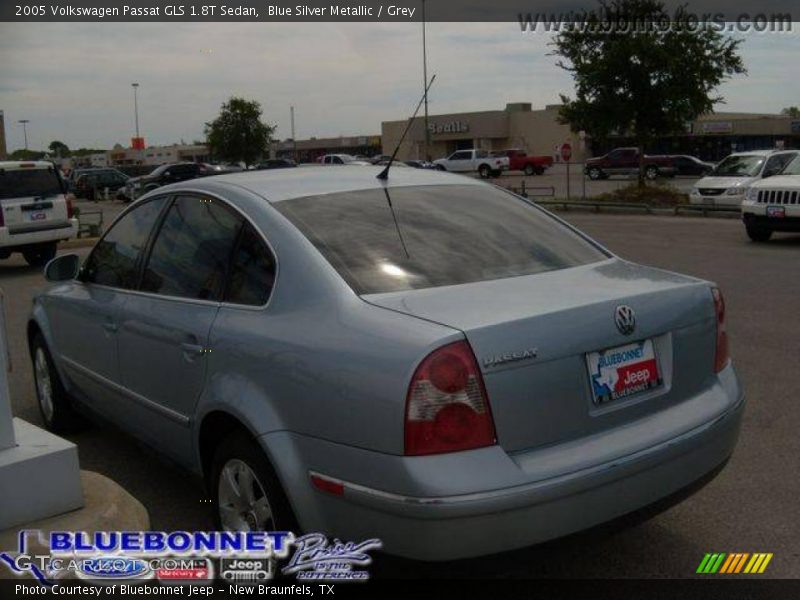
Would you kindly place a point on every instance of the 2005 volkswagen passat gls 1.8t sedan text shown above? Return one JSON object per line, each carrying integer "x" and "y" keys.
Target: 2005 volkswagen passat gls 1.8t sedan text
{"x": 425, "y": 359}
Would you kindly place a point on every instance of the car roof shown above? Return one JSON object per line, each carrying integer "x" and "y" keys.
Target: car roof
{"x": 13, "y": 165}
{"x": 761, "y": 152}
{"x": 284, "y": 184}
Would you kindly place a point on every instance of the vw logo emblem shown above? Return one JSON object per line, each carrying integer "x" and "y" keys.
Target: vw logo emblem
{"x": 625, "y": 319}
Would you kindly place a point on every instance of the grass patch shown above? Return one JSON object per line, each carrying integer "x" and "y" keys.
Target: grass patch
{"x": 654, "y": 194}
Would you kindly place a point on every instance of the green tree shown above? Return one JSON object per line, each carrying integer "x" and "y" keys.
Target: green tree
{"x": 238, "y": 134}
{"x": 792, "y": 111}
{"x": 60, "y": 149}
{"x": 642, "y": 71}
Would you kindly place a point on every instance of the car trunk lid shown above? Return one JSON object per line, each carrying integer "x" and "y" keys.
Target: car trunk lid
{"x": 531, "y": 336}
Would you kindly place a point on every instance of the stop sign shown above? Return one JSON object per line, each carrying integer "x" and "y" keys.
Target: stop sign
{"x": 566, "y": 151}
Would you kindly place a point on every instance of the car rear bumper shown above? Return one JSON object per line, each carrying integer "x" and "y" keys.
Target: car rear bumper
{"x": 486, "y": 501}
{"x": 22, "y": 238}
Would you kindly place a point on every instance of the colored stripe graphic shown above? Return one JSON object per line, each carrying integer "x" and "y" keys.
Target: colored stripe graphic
{"x": 733, "y": 563}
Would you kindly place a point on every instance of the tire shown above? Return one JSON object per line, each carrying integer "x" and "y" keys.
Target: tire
{"x": 529, "y": 170}
{"x": 484, "y": 171}
{"x": 40, "y": 254}
{"x": 268, "y": 509}
{"x": 758, "y": 234}
{"x": 595, "y": 174}
{"x": 539, "y": 170}
{"x": 55, "y": 405}
{"x": 440, "y": 168}
{"x": 651, "y": 172}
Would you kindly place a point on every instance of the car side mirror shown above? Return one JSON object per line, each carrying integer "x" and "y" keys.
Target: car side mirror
{"x": 62, "y": 268}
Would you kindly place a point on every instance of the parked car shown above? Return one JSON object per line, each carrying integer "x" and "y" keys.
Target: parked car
{"x": 169, "y": 173}
{"x": 276, "y": 163}
{"x": 773, "y": 204}
{"x": 728, "y": 183}
{"x": 379, "y": 158}
{"x": 454, "y": 382}
{"x": 625, "y": 161}
{"x": 35, "y": 212}
{"x": 420, "y": 164}
{"x": 74, "y": 174}
{"x": 88, "y": 183}
{"x": 519, "y": 160}
{"x": 471, "y": 161}
{"x": 340, "y": 159}
{"x": 691, "y": 165}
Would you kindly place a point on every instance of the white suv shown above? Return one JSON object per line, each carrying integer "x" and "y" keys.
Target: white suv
{"x": 773, "y": 204}
{"x": 34, "y": 212}
{"x": 728, "y": 183}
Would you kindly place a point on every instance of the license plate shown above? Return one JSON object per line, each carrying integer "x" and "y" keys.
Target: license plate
{"x": 38, "y": 216}
{"x": 623, "y": 371}
{"x": 777, "y": 212}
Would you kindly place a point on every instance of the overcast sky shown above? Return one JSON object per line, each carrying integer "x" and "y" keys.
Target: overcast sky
{"x": 72, "y": 81}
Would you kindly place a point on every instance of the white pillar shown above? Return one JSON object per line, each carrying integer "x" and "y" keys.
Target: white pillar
{"x": 6, "y": 424}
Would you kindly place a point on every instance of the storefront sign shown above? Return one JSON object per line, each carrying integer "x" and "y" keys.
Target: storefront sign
{"x": 717, "y": 127}
{"x": 448, "y": 127}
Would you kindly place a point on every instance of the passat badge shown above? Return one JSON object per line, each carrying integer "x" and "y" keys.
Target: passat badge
{"x": 499, "y": 359}
{"x": 625, "y": 319}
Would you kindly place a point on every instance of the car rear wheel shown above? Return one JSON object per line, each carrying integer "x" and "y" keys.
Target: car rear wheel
{"x": 40, "y": 254}
{"x": 484, "y": 171}
{"x": 651, "y": 172}
{"x": 529, "y": 170}
{"x": 54, "y": 403}
{"x": 595, "y": 174}
{"x": 246, "y": 492}
{"x": 759, "y": 234}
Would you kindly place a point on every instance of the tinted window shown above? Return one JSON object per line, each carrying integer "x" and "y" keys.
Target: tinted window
{"x": 113, "y": 261}
{"x": 444, "y": 235}
{"x": 191, "y": 251}
{"x": 252, "y": 270}
{"x": 463, "y": 155}
{"x": 19, "y": 183}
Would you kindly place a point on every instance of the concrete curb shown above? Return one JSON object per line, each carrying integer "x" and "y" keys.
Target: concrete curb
{"x": 78, "y": 243}
{"x": 107, "y": 507}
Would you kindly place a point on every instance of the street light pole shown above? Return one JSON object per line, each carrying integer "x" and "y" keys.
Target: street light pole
{"x": 425, "y": 84}
{"x": 136, "y": 107}
{"x": 25, "y": 130}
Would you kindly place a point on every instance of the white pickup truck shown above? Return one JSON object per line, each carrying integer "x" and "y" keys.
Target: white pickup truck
{"x": 464, "y": 161}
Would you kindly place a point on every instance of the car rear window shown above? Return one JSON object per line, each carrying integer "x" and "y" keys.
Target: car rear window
{"x": 20, "y": 183}
{"x": 429, "y": 236}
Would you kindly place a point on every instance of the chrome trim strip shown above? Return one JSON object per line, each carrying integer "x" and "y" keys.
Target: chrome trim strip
{"x": 146, "y": 402}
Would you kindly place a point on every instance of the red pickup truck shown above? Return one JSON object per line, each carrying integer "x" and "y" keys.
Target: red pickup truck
{"x": 518, "y": 160}
{"x": 625, "y": 161}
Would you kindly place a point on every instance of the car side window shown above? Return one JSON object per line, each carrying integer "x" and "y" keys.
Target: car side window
{"x": 114, "y": 260}
{"x": 190, "y": 254}
{"x": 461, "y": 155}
{"x": 252, "y": 272}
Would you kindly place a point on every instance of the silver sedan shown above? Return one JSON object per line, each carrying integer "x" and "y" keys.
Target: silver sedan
{"x": 426, "y": 359}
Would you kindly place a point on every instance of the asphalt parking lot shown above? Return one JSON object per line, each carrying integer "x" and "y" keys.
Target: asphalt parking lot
{"x": 751, "y": 507}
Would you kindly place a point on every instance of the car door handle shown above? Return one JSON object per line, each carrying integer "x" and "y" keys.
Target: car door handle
{"x": 193, "y": 349}
{"x": 110, "y": 327}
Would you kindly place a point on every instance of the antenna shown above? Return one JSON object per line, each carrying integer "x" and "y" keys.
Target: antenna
{"x": 385, "y": 173}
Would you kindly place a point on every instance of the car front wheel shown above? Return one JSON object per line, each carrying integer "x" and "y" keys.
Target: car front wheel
{"x": 54, "y": 403}
{"x": 40, "y": 254}
{"x": 651, "y": 173}
{"x": 595, "y": 174}
{"x": 758, "y": 234}
{"x": 246, "y": 492}
{"x": 529, "y": 170}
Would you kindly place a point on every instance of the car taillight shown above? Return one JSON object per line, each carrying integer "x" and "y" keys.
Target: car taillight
{"x": 722, "y": 356}
{"x": 447, "y": 409}
{"x": 70, "y": 207}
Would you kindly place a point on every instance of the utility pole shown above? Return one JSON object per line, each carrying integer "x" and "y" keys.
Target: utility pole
{"x": 294, "y": 139}
{"x": 425, "y": 85}
{"x": 25, "y": 130}
{"x": 135, "y": 87}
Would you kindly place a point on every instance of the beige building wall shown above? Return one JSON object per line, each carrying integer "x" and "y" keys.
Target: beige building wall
{"x": 518, "y": 126}
{"x": 3, "y": 149}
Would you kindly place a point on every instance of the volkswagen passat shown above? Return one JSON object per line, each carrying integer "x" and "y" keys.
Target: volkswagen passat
{"x": 429, "y": 359}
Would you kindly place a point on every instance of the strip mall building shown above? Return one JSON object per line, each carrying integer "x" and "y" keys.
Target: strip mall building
{"x": 711, "y": 137}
